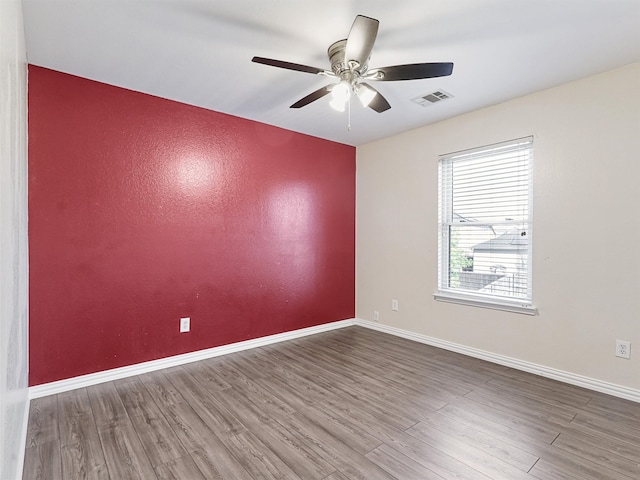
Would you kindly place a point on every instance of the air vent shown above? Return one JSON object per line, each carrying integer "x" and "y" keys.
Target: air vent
{"x": 431, "y": 98}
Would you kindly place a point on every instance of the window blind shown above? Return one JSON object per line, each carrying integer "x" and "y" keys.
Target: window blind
{"x": 485, "y": 222}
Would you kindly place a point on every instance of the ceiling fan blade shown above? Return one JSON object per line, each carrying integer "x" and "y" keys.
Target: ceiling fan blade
{"x": 312, "y": 97}
{"x": 378, "y": 103}
{"x": 289, "y": 66}
{"x": 413, "y": 71}
{"x": 360, "y": 40}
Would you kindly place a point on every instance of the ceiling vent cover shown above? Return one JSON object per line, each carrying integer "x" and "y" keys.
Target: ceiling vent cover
{"x": 432, "y": 97}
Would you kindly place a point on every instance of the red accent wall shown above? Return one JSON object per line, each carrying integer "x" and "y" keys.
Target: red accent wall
{"x": 144, "y": 210}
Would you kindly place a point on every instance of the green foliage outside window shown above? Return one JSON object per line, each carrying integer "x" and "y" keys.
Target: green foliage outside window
{"x": 458, "y": 260}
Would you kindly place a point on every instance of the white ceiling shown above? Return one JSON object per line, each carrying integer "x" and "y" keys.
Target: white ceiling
{"x": 199, "y": 52}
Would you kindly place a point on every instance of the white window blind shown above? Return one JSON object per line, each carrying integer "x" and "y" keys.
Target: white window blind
{"x": 485, "y": 223}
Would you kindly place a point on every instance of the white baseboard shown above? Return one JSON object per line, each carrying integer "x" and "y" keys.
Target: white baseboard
{"x": 140, "y": 368}
{"x": 560, "y": 375}
{"x": 68, "y": 384}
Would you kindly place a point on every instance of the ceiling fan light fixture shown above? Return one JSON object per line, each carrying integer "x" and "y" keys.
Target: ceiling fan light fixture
{"x": 365, "y": 94}
{"x": 340, "y": 93}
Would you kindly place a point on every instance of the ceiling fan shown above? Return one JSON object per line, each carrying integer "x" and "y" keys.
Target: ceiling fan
{"x": 349, "y": 64}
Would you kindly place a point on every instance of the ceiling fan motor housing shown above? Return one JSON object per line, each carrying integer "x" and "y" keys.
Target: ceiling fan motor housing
{"x": 339, "y": 65}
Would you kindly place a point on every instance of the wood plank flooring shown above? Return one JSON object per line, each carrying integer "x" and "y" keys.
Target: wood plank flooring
{"x": 347, "y": 404}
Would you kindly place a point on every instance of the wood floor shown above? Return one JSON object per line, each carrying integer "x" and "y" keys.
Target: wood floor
{"x": 347, "y": 404}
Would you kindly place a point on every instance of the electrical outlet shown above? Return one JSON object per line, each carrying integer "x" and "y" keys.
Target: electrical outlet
{"x": 394, "y": 305}
{"x": 376, "y": 316}
{"x": 623, "y": 349}
{"x": 185, "y": 324}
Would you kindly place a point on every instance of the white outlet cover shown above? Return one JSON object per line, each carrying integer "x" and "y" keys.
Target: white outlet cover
{"x": 623, "y": 349}
{"x": 185, "y": 324}
{"x": 394, "y": 305}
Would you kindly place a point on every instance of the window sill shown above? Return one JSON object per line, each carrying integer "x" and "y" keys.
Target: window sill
{"x": 473, "y": 301}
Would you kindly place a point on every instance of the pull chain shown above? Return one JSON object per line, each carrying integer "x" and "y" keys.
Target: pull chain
{"x": 349, "y": 113}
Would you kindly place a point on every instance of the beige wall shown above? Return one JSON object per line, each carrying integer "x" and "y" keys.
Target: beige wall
{"x": 13, "y": 238}
{"x": 586, "y": 228}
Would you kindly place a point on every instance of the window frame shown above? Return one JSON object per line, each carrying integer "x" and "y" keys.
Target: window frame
{"x": 445, "y": 292}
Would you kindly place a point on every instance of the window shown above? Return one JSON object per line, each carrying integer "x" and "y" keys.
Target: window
{"x": 485, "y": 226}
